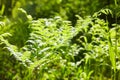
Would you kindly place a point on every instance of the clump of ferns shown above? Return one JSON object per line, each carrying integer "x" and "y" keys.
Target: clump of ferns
{"x": 48, "y": 34}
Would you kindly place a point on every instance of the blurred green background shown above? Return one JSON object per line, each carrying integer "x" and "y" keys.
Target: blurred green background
{"x": 67, "y": 9}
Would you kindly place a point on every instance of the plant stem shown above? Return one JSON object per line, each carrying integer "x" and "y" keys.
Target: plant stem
{"x": 116, "y": 41}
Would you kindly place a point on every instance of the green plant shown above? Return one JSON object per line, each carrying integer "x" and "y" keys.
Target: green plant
{"x": 68, "y": 47}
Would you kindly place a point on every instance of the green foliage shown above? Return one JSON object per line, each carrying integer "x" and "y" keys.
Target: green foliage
{"x": 67, "y": 9}
{"x": 98, "y": 45}
{"x": 37, "y": 44}
{"x": 48, "y": 44}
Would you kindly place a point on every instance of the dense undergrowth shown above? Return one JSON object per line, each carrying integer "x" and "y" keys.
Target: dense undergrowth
{"x": 54, "y": 49}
